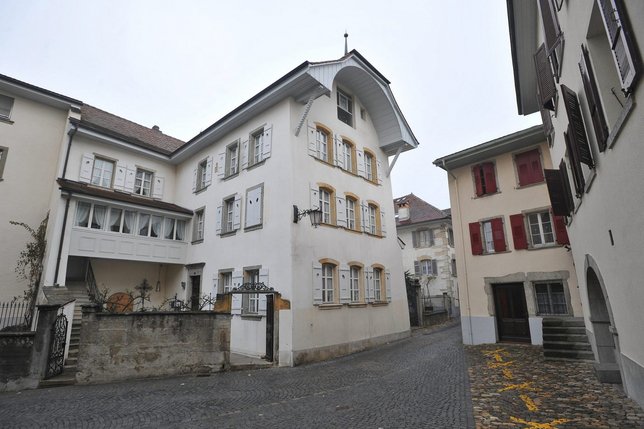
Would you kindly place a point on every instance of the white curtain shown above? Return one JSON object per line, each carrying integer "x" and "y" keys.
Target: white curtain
{"x": 181, "y": 230}
{"x": 169, "y": 228}
{"x": 115, "y": 220}
{"x": 144, "y": 220}
{"x": 128, "y": 222}
{"x": 156, "y": 226}
{"x": 82, "y": 213}
{"x": 98, "y": 219}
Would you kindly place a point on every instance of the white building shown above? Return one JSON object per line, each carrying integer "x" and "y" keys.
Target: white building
{"x": 206, "y": 216}
{"x": 579, "y": 63}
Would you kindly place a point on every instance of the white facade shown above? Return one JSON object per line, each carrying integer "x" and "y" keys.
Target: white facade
{"x": 601, "y": 158}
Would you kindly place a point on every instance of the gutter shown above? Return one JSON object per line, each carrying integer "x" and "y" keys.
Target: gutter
{"x": 62, "y": 236}
{"x": 71, "y": 133}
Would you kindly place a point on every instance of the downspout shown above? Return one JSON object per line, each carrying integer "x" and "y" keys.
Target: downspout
{"x": 71, "y": 133}
{"x": 467, "y": 283}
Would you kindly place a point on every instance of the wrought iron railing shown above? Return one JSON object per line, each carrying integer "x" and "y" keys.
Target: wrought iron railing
{"x": 90, "y": 282}
{"x": 15, "y": 316}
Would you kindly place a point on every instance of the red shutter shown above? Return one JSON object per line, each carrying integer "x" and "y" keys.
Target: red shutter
{"x": 535, "y": 167}
{"x": 475, "y": 238}
{"x": 529, "y": 167}
{"x": 523, "y": 169}
{"x": 518, "y": 232}
{"x": 497, "y": 234}
{"x": 560, "y": 230}
{"x": 490, "y": 179}
{"x": 478, "y": 180}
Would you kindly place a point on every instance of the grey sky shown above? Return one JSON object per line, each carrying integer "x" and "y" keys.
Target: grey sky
{"x": 184, "y": 64}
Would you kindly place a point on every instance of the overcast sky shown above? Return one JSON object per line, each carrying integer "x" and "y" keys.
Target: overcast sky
{"x": 182, "y": 65}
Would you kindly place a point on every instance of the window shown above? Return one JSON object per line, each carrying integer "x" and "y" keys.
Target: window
{"x": 528, "y": 166}
{"x": 425, "y": 267}
{"x": 255, "y": 149}
{"x": 143, "y": 182}
{"x": 198, "y": 228}
{"x": 3, "y": 159}
{"x": 348, "y": 156}
{"x": 322, "y": 144}
{"x": 487, "y": 236}
{"x": 250, "y": 301}
{"x": 423, "y": 238}
{"x": 227, "y": 281}
{"x": 450, "y": 237}
{"x": 174, "y": 229}
{"x": 540, "y": 229}
{"x": 484, "y": 179}
{"x": 229, "y": 215}
{"x": 325, "y": 205}
{"x": 551, "y": 298}
{"x": 351, "y": 213}
{"x": 372, "y": 211}
{"x": 229, "y": 209}
{"x": 102, "y": 173}
{"x": 202, "y": 174}
{"x": 232, "y": 159}
{"x": 369, "y": 166}
{"x": 6, "y": 105}
{"x": 345, "y": 108}
{"x": 354, "y": 283}
{"x": 593, "y": 100}
{"x": 328, "y": 280}
{"x": 454, "y": 267}
{"x": 372, "y": 219}
{"x": 543, "y": 230}
{"x": 377, "y": 284}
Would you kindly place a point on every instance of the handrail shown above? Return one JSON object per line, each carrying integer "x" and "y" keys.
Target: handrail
{"x": 90, "y": 282}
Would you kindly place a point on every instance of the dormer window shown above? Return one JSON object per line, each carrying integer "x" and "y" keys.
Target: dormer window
{"x": 345, "y": 108}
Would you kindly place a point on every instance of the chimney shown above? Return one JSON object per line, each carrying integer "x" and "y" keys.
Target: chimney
{"x": 156, "y": 128}
{"x": 403, "y": 211}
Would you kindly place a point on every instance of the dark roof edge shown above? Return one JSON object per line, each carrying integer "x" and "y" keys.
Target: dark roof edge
{"x": 513, "y": 52}
{"x": 39, "y": 89}
{"x": 368, "y": 64}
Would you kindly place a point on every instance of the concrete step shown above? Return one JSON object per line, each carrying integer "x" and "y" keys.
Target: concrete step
{"x": 569, "y": 354}
{"x": 608, "y": 373}
{"x": 569, "y": 321}
{"x": 564, "y": 330}
{"x": 71, "y": 362}
{"x": 565, "y": 345}
{"x": 576, "y": 338}
{"x": 64, "y": 379}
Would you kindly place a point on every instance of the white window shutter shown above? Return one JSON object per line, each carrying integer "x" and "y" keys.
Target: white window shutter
{"x": 157, "y": 188}
{"x": 383, "y": 230}
{"x": 368, "y": 285}
{"x": 379, "y": 171}
{"x": 263, "y": 276}
{"x": 237, "y": 212}
{"x": 220, "y": 165}
{"x": 261, "y": 305}
{"x": 315, "y": 198}
{"x": 434, "y": 267}
{"x": 254, "y": 207}
{"x": 130, "y": 175}
{"x": 313, "y": 150}
{"x": 345, "y": 294}
{"x": 360, "y": 155}
{"x": 339, "y": 154}
{"x": 238, "y": 279}
{"x": 364, "y": 220}
{"x": 87, "y": 165}
{"x": 317, "y": 284}
{"x": 236, "y": 305}
{"x": 243, "y": 150}
{"x": 209, "y": 166}
{"x": 431, "y": 237}
{"x": 341, "y": 211}
{"x": 267, "y": 142}
{"x": 215, "y": 284}
{"x": 218, "y": 219}
{"x": 388, "y": 284}
{"x": 194, "y": 180}
{"x": 119, "y": 176}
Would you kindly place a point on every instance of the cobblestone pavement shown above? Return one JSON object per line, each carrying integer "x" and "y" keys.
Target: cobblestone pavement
{"x": 513, "y": 386}
{"x": 419, "y": 382}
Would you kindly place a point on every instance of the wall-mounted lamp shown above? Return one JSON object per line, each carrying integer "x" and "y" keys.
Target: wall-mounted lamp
{"x": 315, "y": 215}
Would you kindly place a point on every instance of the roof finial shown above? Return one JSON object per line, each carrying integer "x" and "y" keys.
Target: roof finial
{"x": 346, "y": 46}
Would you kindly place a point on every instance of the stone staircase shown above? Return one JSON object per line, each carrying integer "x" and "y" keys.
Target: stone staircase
{"x": 74, "y": 291}
{"x": 565, "y": 338}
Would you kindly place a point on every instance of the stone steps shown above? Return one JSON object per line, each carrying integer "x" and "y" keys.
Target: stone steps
{"x": 565, "y": 339}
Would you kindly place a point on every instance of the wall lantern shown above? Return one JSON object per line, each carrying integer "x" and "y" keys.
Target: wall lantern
{"x": 315, "y": 215}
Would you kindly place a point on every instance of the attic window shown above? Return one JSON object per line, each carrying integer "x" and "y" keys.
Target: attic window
{"x": 345, "y": 108}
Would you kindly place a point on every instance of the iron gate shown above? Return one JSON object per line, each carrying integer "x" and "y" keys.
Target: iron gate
{"x": 56, "y": 359}
{"x": 257, "y": 288}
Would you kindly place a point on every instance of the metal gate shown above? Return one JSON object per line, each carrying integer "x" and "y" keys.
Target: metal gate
{"x": 261, "y": 288}
{"x": 56, "y": 359}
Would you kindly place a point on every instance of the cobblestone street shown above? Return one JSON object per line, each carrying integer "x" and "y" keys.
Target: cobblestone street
{"x": 513, "y": 386}
{"x": 419, "y": 382}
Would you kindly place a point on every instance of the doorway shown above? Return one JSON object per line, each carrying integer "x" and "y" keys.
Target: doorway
{"x": 600, "y": 317}
{"x": 511, "y": 312}
{"x": 195, "y": 292}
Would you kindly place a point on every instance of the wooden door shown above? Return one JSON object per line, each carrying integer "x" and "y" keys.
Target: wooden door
{"x": 195, "y": 292}
{"x": 511, "y": 312}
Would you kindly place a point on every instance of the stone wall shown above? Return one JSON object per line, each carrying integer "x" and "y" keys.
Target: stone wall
{"x": 15, "y": 359}
{"x": 151, "y": 344}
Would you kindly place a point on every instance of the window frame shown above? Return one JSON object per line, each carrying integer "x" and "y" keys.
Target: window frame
{"x": 102, "y": 170}
{"x": 527, "y": 158}
{"x": 550, "y": 303}
{"x": 355, "y": 295}
{"x": 232, "y": 159}
{"x": 352, "y": 221}
{"x": 329, "y": 275}
{"x": 10, "y": 103}
{"x": 345, "y": 115}
{"x": 481, "y": 175}
{"x": 228, "y": 215}
{"x": 4, "y": 151}
{"x": 223, "y": 276}
{"x": 141, "y": 190}
{"x": 541, "y": 227}
{"x": 255, "y": 145}
{"x": 202, "y": 168}
{"x": 198, "y": 229}
{"x": 324, "y": 149}
{"x": 370, "y": 166}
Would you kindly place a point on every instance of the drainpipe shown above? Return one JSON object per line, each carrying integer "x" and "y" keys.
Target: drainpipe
{"x": 62, "y": 236}
{"x": 70, "y": 133}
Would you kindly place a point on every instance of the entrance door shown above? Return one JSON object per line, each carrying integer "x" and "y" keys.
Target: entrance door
{"x": 195, "y": 292}
{"x": 270, "y": 327}
{"x": 511, "y": 312}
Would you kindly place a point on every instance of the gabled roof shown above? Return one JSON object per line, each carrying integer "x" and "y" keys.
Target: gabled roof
{"x": 419, "y": 210}
{"x": 34, "y": 92}
{"x": 107, "y": 123}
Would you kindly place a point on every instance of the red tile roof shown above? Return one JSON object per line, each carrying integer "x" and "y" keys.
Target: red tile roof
{"x": 129, "y": 131}
{"x": 419, "y": 210}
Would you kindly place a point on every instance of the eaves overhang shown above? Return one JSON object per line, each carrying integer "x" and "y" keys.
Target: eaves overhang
{"x": 510, "y": 143}
{"x": 314, "y": 80}
{"x": 522, "y": 23}
{"x": 32, "y": 92}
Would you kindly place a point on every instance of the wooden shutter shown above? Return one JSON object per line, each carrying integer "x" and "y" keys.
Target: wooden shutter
{"x": 557, "y": 196}
{"x": 236, "y": 307}
{"x": 339, "y": 153}
{"x": 315, "y": 197}
{"x": 388, "y": 285}
{"x": 267, "y": 143}
{"x": 518, "y": 232}
{"x": 237, "y": 212}
{"x": 593, "y": 100}
{"x": 317, "y": 284}
{"x": 243, "y": 153}
{"x": 254, "y": 206}
{"x": 576, "y": 128}
{"x": 565, "y": 180}
{"x": 209, "y": 171}
{"x": 575, "y": 165}
{"x": 379, "y": 172}
{"x": 490, "y": 178}
{"x": 218, "y": 219}
{"x": 263, "y": 278}
{"x": 119, "y": 176}
{"x": 360, "y": 163}
{"x": 434, "y": 267}
{"x": 546, "y": 90}
{"x": 340, "y": 211}
{"x": 383, "y": 229}
{"x": 414, "y": 239}
{"x": 498, "y": 235}
{"x": 215, "y": 284}
{"x": 478, "y": 180}
{"x": 157, "y": 188}
{"x": 130, "y": 176}
{"x": 560, "y": 230}
{"x": 475, "y": 238}
{"x": 368, "y": 285}
{"x": 220, "y": 165}
{"x": 87, "y": 165}
{"x": 552, "y": 31}
{"x": 529, "y": 167}
{"x": 345, "y": 293}
{"x": 194, "y": 180}
{"x": 619, "y": 33}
